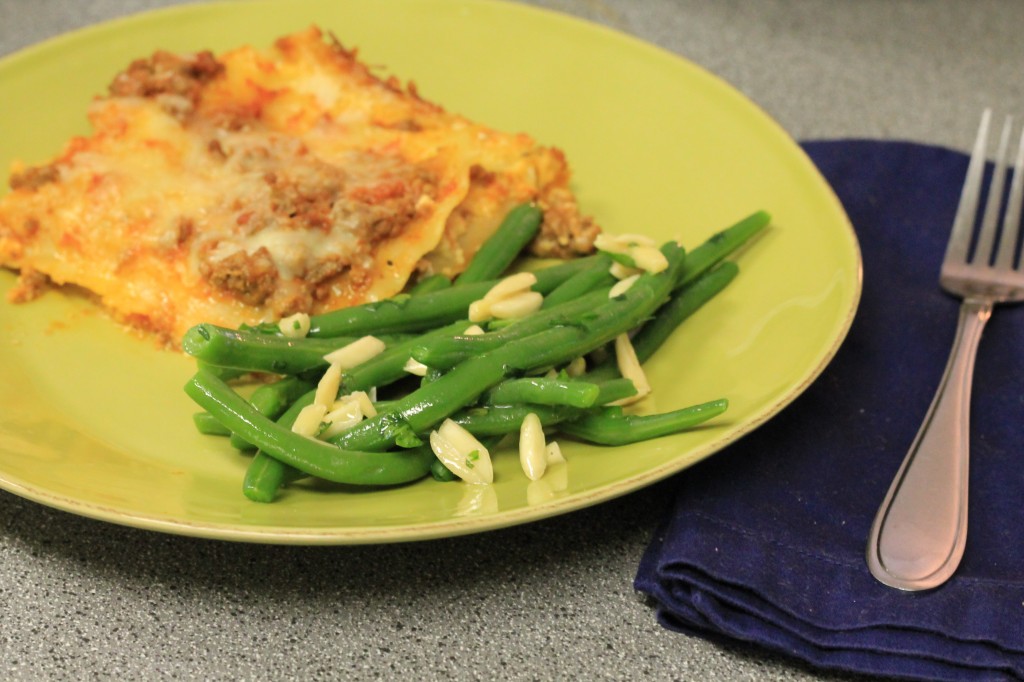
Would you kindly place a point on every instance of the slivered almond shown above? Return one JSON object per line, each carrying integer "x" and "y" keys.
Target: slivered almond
{"x": 355, "y": 353}
{"x": 621, "y": 243}
{"x": 630, "y": 368}
{"x": 414, "y": 366}
{"x": 294, "y": 326}
{"x": 344, "y": 416}
{"x": 622, "y": 286}
{"x": 327, "y": 388}
{"x": 554, "y": 453}
{"x": 620, "y": 271}
{"x": 519, "y": 305}
{"x": 508, "y": 299}
{"x": 307, "y": 423}
{"x": 365, "y": 403}
{"x": 479, "y": 311}
{"x": 576, "y": 367}
{"x": 513, "y": 284}
{"x": 533, "y": 456}
{"x": 649, "y": 258}
{"x": 461, "y": 453}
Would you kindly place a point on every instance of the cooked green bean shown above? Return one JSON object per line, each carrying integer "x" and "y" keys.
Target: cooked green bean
{"x": 611, "y": 427}
{"x": 253, "y": 351}
{"x": 225, "y": 373}
{"x": 272, "y": 400}
{"x": 430, "y": 284}
{"x": 498, "y": 420}
{"x": 721, "y": 244}
{"x": 596, "y": 276}
{"x": 440, "y": 472}
{"x": 476, "y": 380}
{"x": 684, "y": 302}
{"x": 265, "y": 475}
{"x": 309, "y": 455}
{"x": 263, "y": 478}
{"x": 406, "y": 313}
{"x": 431, "y": 375}
{"x": 444, "y": 352}
{"x": 544, "y": 391}
{"x": 389, "y": 366}
{"x": 208, "y": 425}
{"x": 615, "y": 389}
{"x": 495, "y": 420}
{"x": 520, "y": 225}
{"x": 461, "y": 386}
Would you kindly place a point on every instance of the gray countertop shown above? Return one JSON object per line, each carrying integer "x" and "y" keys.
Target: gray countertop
{"x": 549, "y": 600}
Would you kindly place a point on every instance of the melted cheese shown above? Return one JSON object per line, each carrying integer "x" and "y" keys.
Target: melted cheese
{"x": 262, "y": 183}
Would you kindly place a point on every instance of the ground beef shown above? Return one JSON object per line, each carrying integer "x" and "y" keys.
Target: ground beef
{"x": 305, "y": 202}
{"x": 252, "y": 278}
{"x": 34, "y": 177}
{"x": 166, "y": 73}
{"x": 384, "y": 208}
{"x": 564, "y": 233}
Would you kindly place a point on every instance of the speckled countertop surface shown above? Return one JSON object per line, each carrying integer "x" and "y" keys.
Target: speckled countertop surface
{"x": 80, "y": 599}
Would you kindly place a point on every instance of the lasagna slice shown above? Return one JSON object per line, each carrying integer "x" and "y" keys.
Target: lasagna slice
{"x": 248, "y": 186}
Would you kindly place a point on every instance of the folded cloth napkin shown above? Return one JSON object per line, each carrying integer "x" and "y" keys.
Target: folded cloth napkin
{"x": 765, "y": 542}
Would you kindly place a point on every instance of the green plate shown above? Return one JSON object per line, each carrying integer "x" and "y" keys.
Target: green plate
{"x": 93, "y": 419}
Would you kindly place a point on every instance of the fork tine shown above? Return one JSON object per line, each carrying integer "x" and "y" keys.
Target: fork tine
{"x": 963, "y": 223}
{"x": 990, "y": 220}
{"x": 1011, "y": 220}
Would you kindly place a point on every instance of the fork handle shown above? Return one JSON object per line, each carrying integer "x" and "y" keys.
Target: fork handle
{"x": 918, "y": 536}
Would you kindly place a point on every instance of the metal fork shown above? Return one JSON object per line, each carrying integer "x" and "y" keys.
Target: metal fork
{"x": 918, "y": 536}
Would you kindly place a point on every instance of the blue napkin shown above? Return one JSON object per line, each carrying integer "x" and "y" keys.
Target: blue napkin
{"x": 765, "y": 542}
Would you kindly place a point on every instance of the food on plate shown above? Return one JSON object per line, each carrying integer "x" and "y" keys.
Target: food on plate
{"x": 259, "y": 183}
{"x": 429, "y": 383}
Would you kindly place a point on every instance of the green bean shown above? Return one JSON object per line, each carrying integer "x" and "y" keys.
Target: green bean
{"x": 498, "y": 420}
{"x": 257, "y": 352}
{"x": 476, "y": 380}
{"x": 720, "y": 245}
{"x": 424, "y": 407}
{"x": 600, "y": 324}
{"x": 314, "y": 457}
{"x": 380, "y": 370}
{"x": 444, "y": 352}
{"x": 388, "y": 366}
{"x": 265, "y": 474}
{"x": 684, "y": 302}
{"x": 520, "y": 225}
{"x": 225, "y": 373}
{"x": 494, "y": 420}
{"x": 440, "y": 472}
{"x": 461, "y": 386}
{"x": 406, "y": 313}
{"x": 544, "y": 391}
{"x": 597, "y": 276}
{"x": 273, "y": 399}
{"x": 430, "y": 284}
{"x": 208, "y": 425}
{"x": 611, "y": 427}
{"x": 263, "y": 478}
{"x": 615, "y": 389}
{"x": 431, "y": 376}
{"x": 653, "y": 334}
